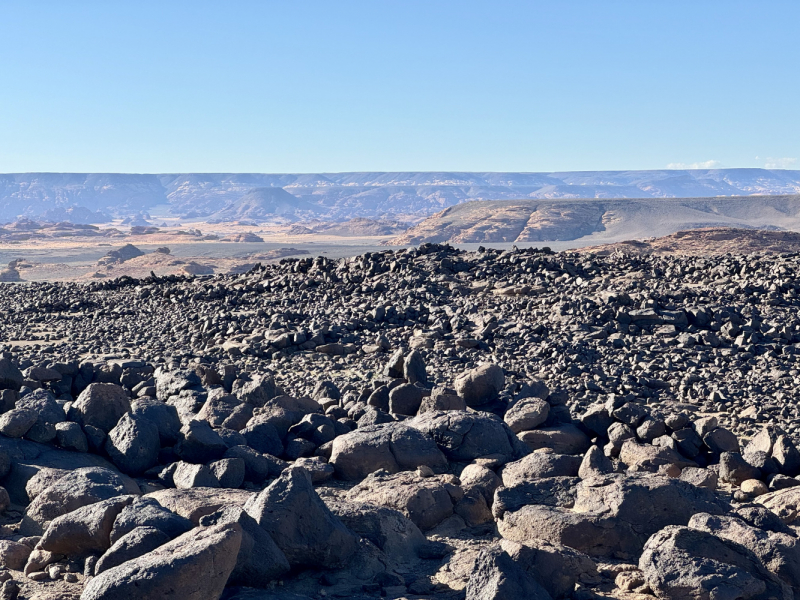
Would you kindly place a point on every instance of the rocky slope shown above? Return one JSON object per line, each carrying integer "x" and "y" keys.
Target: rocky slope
{"x": 425, "y": 423}
{"x": 597, "y": 221}
{"x": 708, "y": 241}
{"x": 342, "y": 196}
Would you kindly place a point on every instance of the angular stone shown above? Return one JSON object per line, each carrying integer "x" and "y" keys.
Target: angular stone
{"x": 405, "y": 399}
{"x": 527, "y": 414}
{"x": 85, "y": 530}
{"x": 480, "y": 385}
{"x": 133, "y": 444}
{"x": 101, "y": 405}
{"x": 679, "y": 562}
{"x": 196, "y": 503}
{"x": 426, "y": 501}
{"x": 200, "y": 443}
{"x": 561, "y": 439}
{"x": 594, "y": 464}
{"x": 130, "y": 546}
{"x": 498, "y": 577}
{"x": 540, "y": 464}
{"x": 165, "y": 416}
{"x": 195, "y": 566}
{"x": 734, "y": 469}
{"x": 389, "y": 529}
{"x": 392, "y": 447}
{"x": 73, "y": 490}
{"x": 300, "y": 523}
{"x": 557, "y": 568}
{"x": 465, "y": 436}
{"x": 147, "y": 512}
{"x": 260, "y": 561}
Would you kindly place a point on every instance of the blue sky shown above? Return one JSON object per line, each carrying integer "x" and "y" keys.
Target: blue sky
{"x": 299, "y": 86}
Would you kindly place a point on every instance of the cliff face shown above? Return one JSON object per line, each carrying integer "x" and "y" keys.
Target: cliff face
{"x": 343, "y": 196}
{"x": 598, "y": 221}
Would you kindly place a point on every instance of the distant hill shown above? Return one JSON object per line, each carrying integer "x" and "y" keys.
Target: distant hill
{"x": 598, "y": 221}
{"x": 265, "y": 204}
{"x": 344, "y": 196}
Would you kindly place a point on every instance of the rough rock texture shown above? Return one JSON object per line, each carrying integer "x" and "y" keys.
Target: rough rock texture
{"x": 392, "y": 447}
{"x": 195, "y": 566}
{"x": 388, "y": 419}
{"x": 304, "y": 528}
{"x": 682, "y": 563}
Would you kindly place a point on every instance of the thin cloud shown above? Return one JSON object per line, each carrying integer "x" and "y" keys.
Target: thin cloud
{"x": 780, "y": 163}
{"x": 708, "y": 164}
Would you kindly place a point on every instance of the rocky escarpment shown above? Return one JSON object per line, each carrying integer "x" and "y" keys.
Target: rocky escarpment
{"x": 83, "y": 198}
{"x": 598, "y": 221}
{"x": 423, "y": 424}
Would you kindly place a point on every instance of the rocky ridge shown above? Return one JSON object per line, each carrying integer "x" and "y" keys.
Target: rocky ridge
{"x": 424, "y": 423}
{"x": 598, "y": 221}
{"x": 82, "y": 197}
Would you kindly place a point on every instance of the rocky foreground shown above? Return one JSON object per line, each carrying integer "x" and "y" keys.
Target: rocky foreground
{"x": 425, "y": 423}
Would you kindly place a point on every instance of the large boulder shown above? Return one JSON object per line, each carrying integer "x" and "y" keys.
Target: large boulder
{"x": 260, "y": 561}
{"x": 561, "y": 439}
{"x": 427, "y": 501}
{"x": 680, "y": 563}
{"x": 527, "y": 414}
{"x": 773, "y": 442}
{"x": 190, "y": 475}
{"x": 779, "y": 551}
{"x": 85, "y": 530}
{"x": 540, "y": 464}
{"x": 71, "y": 491}
{"x": 219, "y": 407}
{"x": 263, "y": 437}
{"x": 646, "y": 503}
{"x": 549, "y": 491}
{"x": 196, "y": 503}
{"x": 557, "y": 568}
{"x": 147, "y": 512}
{"x": 14, "y": 555}
{"x": 195, "y": 566}
{"x": 414, "y": 368}
{"x": 785, "y": 503}
{"x": 392, "y": 447}
{"x": 17, "y": 422}
{"x": 498, "y": 577}
{"x": 256, "y": 391}
{"x": 592, "y": 533}
{"x": 133, "y": 444}
{"x": 200, "y": 443}
{"x": 165, "y": 416}
{"x": 611, "y": 514}
{"x": 465, "y": 436}
{"x": 133, "y": 544}
{"x": 480, "y": 385}
{"x": 10, "y": 376}
{"x": 389, "y": 529}
{"x": 300, "y": 523}
{"x": 101, "y": 405}
{"x": 645, "y": 457}
{"x": 171, "y": 383}
{"x": 406, "y": 399}
{"x": 49, "y": 414}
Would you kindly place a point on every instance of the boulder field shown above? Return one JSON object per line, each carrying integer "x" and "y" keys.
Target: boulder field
{"x": 425, "y": 423}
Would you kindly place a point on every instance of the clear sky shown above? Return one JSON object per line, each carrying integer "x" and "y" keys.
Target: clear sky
{"x": 339, "y": 85}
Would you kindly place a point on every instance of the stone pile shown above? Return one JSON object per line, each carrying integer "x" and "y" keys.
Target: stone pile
{"x": 419, "y": 424}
